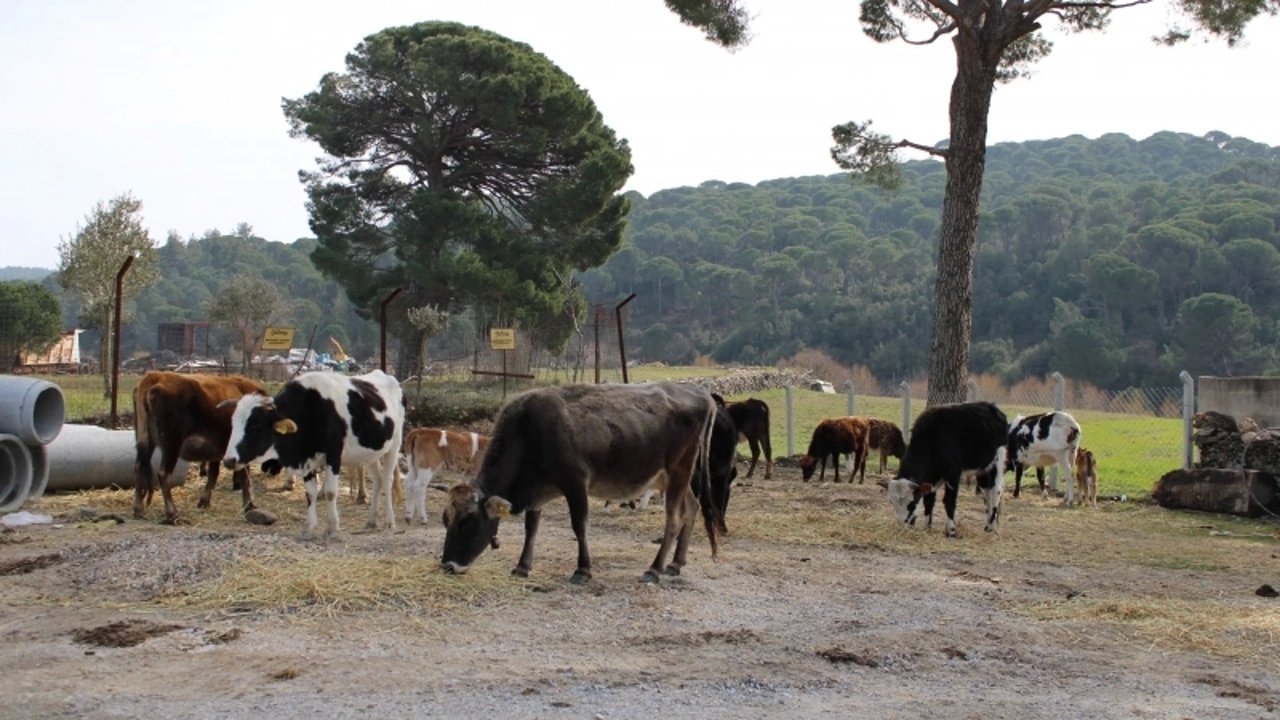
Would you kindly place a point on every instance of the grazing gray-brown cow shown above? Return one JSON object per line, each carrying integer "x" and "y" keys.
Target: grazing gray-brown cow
{"x": 580, "y": 441}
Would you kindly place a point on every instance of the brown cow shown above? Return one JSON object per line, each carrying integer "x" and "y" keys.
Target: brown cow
{"x": 179, "y": 415}
{"x": 833, "y": 436}
{"x": 1086, "y": 477}
{"x": 427, "y": 451}
{"x": 887, "y": 438}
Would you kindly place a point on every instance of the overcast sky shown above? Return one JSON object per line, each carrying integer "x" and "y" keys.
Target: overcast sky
{"x": 179, "y": 102}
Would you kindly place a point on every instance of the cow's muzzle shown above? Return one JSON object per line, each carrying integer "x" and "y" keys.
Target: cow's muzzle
{"x": 453, "y": 568}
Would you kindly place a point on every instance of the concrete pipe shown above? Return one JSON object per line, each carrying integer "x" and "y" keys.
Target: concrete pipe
{"x": 15, "y": 473}
{"x": 30, "y": 408}
{"x": 87, "y": 457}
{"x": 39, "y": 470}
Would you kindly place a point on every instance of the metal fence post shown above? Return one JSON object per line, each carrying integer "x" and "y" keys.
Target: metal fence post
{"x": 791, "y": 444}
{"x": 905, "y": 390}
{"x": 848, "y": 388}
{"x": 1188, "y": 410}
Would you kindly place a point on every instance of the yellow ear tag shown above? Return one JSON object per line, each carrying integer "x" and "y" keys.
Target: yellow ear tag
{"x": 285, "y": 426}
{"x": 497, "y": 507}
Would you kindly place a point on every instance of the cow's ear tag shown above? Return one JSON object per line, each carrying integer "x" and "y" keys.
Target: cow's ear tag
{"x": 285, "y": 426}
{"x": 497, "y": 507}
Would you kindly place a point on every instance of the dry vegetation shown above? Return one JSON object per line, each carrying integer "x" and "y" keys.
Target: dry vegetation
{"x": 821, "y": 604}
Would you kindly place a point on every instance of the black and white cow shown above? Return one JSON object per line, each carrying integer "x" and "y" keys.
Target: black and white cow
{"x": 1040, "y": 441}
{"x": 580, "y": 441}
{"x": 947, "y": 440}
{"x": 314, "y": 425}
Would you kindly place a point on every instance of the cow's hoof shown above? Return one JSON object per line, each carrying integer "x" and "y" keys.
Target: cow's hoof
{"x": 170, "y": 520}
{"x": 673, "y": 570}
{"x": 202, "y": 503}
{"x": 492, "y": 543}
{"x": 522, "y": 572}
{"x": 650, "y": 576}
{"x": 579, "y": 577}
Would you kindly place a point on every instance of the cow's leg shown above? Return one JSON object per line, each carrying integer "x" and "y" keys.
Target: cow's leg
{"x": 143, "y": 479}
{"x": 949, "y": 496}
{"x": 525, "y": 564}
{"x": 768, "y": 456}
{"x": 688, "y": 514}
{"x": 361, "y": 498}
{"x": 309, "y": 486}
{"x": 210, "y": 480}
{"x": 755, "y": 455}
{"x": 678, "y": 490}
{"x": 1044, "y": 492}
{"x": 384, "y": 477}
{"x": 929, "y": 499}
{"x": 992, "y": 497}
{"x": 246, "y": 487}
{"x": 329, "y": 496}
{"x": 578, "y": 506}
{"x": 1017, "y": 479}
{"x": 166, "y": 472}
{"x": 1066, "y": 461}
{"x": 720, "y": 496}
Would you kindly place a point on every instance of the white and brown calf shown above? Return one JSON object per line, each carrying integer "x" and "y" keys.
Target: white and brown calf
{"x": 427, "y": 451}
{"x": 1086, "y": 477}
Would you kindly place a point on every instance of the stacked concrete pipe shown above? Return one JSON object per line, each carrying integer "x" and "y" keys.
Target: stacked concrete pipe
{"x": 31, "y": 416}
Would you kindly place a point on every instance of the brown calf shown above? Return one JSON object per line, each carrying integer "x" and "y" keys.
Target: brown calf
{"x": 179, "y": 415}
{"x": 887, "y": 438}
{"x": 751, "y": 419}
{"x": 832, "y": 437}
{"x": 427, "y": 451}
{"x": 1086, "y": 477}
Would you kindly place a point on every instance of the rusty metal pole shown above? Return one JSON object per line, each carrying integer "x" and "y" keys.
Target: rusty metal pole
{"x": 115, "y": 339}
{"x": 622, "y": 346}
{"x": 382, "y": 327}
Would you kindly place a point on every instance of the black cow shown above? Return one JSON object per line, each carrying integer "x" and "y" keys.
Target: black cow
{"x": 576, "y": 441}
{"x": 947, "y": 440}
{"x": 751, "y": 418}
{"x": 723, "y": 462}
{"x": 317, "y": 422}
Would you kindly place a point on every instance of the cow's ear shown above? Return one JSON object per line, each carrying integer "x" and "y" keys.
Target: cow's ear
{"x": 496, "y": 507}
{"x": 285, "y": 426}
{"x": 226, "y": 404}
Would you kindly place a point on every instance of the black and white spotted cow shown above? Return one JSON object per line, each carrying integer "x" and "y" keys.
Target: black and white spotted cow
{"x": 1040, "y": 441}
{"x": 315, "y": 424}
{"x": 947, "y": 440}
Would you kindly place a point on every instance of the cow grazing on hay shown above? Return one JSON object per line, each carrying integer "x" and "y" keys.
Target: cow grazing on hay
{"x": 833, "y": 436}
{"x": 947, "y": 440}
{"x": 179, "y": 415}
{"x": 580, "y": 441}
{"x": 317, "y": 422}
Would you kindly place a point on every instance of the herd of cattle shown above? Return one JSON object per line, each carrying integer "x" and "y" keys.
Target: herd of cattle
{"x": 613, "y": 442}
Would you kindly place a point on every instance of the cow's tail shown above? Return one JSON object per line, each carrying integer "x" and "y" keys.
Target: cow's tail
{"x": 701, "y": 482}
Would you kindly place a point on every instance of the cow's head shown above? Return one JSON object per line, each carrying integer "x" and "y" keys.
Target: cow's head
{"x": 471, "y": 524}
{"x": 903, "y": 494}
{"x": 807, "y": 464}
{"x": 255, "y": 425}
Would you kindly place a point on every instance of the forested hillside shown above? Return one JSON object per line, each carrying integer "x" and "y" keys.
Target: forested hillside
{"x": 1112, "y": 260}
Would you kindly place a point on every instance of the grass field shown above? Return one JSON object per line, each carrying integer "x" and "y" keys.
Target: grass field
{"x": 1133, "y": 451}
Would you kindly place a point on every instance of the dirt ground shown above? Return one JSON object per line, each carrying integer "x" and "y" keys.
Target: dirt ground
{"x": 820, "y": 605}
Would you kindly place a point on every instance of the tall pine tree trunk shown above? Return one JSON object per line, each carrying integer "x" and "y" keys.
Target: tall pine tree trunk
{"x": 966, "y": 159}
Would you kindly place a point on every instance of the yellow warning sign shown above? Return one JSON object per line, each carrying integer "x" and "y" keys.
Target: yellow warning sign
{"x": 502, "y": 338}
{"x": 277, "y": 338}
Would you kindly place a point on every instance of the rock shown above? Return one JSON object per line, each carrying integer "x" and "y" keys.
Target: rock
{"x": 258, "y": 516}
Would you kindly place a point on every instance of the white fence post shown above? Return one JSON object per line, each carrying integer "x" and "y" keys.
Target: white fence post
{"x": 971, "y": 390}
{"x": 1059, "y": 400}
{"x": 905, "y": 389}
{"x": 1188, "y": 410}
{"x": 791, "y": 443}
{"x": 848, "y": 388}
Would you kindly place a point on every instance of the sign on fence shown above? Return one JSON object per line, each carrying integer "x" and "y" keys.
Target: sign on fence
{"x": 502, "y": 338}
{"x": 277, "y": 338}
